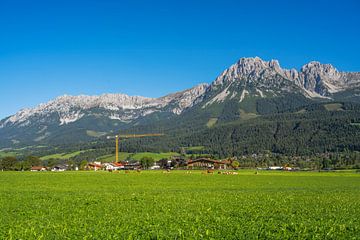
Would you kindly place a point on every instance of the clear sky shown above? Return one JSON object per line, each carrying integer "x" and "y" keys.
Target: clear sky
{"x": 151, "y": 48}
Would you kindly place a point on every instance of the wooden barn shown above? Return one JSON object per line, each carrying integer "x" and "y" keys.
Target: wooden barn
{"x": 206, "y": 163}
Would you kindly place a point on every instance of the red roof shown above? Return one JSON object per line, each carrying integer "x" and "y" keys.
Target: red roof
{"x": 117, "y": 164}
{"x": 94, "y": 165}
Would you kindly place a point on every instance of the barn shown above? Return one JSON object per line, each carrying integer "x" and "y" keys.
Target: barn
{"x": 206, "y": 163}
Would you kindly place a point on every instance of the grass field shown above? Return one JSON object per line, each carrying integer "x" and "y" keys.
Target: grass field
{"x": 152, "y": 204}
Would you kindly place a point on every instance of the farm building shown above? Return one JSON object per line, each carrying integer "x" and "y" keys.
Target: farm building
{"x": 113, "y": 166}
{"x": 206, "y": 163}
{"x": 155, "y": 167}
{"x": 59, "y": 168}
{"x": 94, "y": 166}
{"x": 38, "y": 169}
{"x": 275, "y": 168}
{"x": 132, "y": 166}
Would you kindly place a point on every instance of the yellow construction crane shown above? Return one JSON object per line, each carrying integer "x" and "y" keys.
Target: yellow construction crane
{"x": 117, "y": 138}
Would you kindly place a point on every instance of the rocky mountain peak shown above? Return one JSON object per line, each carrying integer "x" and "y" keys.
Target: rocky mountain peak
{"x": 317, "y": 68}
{"x": 248, "y": 67}
{"x": 251, "y": 66}
{"x": 314, "y": 78}
{"x": 323, "y": 79}
{"x": 274, "y": 64}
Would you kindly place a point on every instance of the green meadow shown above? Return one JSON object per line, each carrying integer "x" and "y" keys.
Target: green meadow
{"x": 7, "y": 154}
{"x": 179, "y": 205}
{"x": 63, "y": 155}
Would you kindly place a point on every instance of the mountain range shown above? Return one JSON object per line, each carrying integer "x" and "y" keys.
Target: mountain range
{"x": 249, "y": 89}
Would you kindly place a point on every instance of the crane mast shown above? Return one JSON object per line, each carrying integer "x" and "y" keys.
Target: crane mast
{"x": 117, "y": 148}
{"x": 117, "y": 137}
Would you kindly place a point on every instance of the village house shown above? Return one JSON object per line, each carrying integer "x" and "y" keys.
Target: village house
{"x": 94, "y": 166}
{"x": 155, "y": 167}
{"x": 59, "y": 168}
{"x": 38, "y": 169}
{"x": 132, "y": 166}
{"x": 113, "y": 166}
{"x": 275, "y": 168}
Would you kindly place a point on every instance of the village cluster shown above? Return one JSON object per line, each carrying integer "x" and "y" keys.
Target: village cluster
{"x": 175, "y": 163}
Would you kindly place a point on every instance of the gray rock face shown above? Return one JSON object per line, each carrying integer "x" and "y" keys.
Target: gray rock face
{"x": 247, "y": 68}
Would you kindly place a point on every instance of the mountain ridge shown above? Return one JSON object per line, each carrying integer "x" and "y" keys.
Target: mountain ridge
{"x": 315, "y": 79}
{"x": 241, "y": 86}
{"x": 112, "y": 102}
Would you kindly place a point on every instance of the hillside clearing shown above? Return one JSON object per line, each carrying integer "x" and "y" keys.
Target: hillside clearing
{"x": 63, "y": 155}
{"x": 211, "y": 122}
{"x": 333, "y": 107}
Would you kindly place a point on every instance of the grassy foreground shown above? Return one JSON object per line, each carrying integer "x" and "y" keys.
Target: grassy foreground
{"x": 102, "y": 205}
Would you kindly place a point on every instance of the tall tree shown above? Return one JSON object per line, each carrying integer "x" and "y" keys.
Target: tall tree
{"x": 33, "y": 161}
{"x": 8, "y": 163}
{"x": 146, "y": 162}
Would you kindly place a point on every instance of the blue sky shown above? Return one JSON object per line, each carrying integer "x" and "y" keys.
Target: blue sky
{"x": 151, "y": 48}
